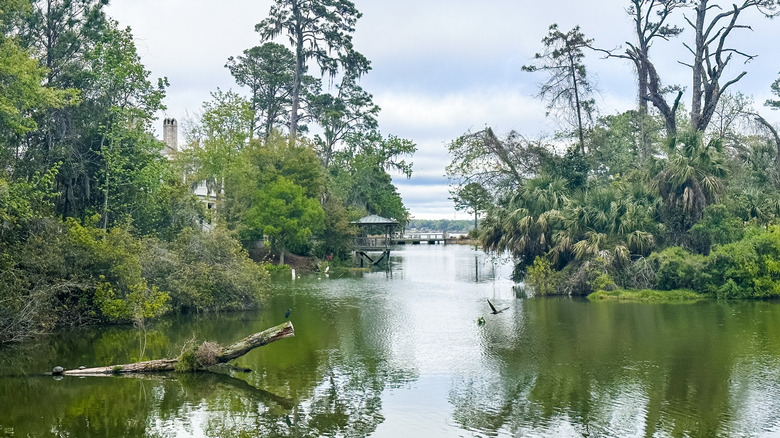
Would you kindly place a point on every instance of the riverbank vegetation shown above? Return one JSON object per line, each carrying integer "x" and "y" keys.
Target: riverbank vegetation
{"x": 664, "y": 196}
{"x": 648, "y": 296}
{"x": 98, "y": 225}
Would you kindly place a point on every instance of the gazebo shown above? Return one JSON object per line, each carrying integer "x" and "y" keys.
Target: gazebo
{"x": 366, "y": 243}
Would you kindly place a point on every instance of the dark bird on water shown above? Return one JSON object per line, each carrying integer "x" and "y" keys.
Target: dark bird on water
{"x": 287, "y": 313}
{"x": 493, "y": 308}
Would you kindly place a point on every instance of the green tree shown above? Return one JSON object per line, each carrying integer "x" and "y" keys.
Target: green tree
{"x": 132, "y": 162}
{"x": 775, "y": 104}
{"x": 215, "y": 142}
{"x": 318, "y": 30}
{"x": 360, "y": 177}
{"x": 473, "y": 198}
{"x": 267, "y": 71}
{"x": 568, "y": 88}
{"x": 350, "y": 111}
{"x": 286, "y": 216}
{"x": 261, "y": 163}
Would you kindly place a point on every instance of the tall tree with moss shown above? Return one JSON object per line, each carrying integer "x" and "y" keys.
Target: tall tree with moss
{"x": 319, "y": 31}
{"x": 568, "y": 88}
{"x": 267, "y": 71}
{"x": 360, "y": 173}
{"x": 350, "y": 110}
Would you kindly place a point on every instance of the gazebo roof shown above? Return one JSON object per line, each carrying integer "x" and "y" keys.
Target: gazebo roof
{"x": 375, "y": 220}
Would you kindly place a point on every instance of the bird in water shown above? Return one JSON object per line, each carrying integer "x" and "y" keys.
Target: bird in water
{"x": 493, "y": 308}
{"x": 287, "y": 313}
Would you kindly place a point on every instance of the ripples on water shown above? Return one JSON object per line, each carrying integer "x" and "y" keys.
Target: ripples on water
{"x": 399, "y": 353}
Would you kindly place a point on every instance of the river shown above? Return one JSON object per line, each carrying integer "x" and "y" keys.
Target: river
{"x": 399, "y": 353}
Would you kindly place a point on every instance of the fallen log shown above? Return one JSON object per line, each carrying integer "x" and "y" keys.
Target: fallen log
{"x": 214, "y": 355}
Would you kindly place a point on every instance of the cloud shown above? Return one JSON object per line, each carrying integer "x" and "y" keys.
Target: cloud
{"x": 440, "y": 67}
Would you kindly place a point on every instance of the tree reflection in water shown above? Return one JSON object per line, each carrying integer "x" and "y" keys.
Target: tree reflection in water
{"x": 606, "y": 369}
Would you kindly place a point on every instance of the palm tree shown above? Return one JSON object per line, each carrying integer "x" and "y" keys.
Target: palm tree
{"x": 691, "y": 179}
{"x": 526, "y": 226}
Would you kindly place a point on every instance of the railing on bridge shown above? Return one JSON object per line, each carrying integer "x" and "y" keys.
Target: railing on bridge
{"x": 416, "y": 238}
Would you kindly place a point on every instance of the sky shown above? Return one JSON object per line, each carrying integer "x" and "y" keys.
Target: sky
{"x": 440, "y": 68}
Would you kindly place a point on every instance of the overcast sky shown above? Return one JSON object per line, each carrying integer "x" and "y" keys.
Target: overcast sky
{"x": 439, "y": 67}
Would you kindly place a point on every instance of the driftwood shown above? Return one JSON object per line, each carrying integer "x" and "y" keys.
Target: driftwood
{"x": 222, "y": 355}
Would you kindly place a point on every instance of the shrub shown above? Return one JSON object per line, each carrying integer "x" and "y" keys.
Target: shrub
{"x": 542, "y": 278}
{"x": 749, "y": 268}
{"x": 718, "y": 227}
{"x": 205, "y": 271}
{"x": 676, "y": 268}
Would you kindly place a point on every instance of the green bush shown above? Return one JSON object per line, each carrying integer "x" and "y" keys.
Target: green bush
{"x": 676, "y": 268}
{"x": 718, "y": 227}
{"x": 205, "y": 271}
{"x": 542, "y": 278}
{"x": 749, "y": 268}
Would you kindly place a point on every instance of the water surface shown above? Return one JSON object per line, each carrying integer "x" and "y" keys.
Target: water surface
{"x": 399, "y": 353}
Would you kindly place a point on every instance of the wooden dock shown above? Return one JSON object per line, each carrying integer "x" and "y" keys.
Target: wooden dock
{"x": 418, "y": 238}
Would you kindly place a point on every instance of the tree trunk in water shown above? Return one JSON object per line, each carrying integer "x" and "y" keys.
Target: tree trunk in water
{"x": 224, "y": 354}
{"x": 281, "y": 257}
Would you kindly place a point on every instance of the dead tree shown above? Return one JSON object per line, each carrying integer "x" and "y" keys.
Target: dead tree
{"x": 711, "y": 54}
{"x": 210, "y": 354}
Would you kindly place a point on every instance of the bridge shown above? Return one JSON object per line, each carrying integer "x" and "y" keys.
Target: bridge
{"x": 418, "y": 238}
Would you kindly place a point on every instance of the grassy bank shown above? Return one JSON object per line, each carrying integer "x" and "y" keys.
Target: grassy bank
{"x": 648, "y": 296}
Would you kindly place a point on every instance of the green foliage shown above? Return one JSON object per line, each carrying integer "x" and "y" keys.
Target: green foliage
{"x": 604, "y": 282}
{"x": 623, "y": 142}
{"x": 690, "y": 180}
{"x": 775, "y": 104}
{"x": 282, "y": 212}
{"x": 337, "y": 235}
{"x": 542, "y": 278}
{"x": 573, "y": 167}
{"x": 360, "y": 177}
{"x": 717, "y": 227}
{"x": 216, "y": 142}
{"x": 268, "y": 72}
{"x": 187, "y": 362}
{"x": 648, "y": 296}
{"x": 473, "y": 198}
{"x": 205, "y": 272}
{"x": 749, "y": 268}
{"x": 351, "y": 111}
{"x": 318, "y": 30}
{"x": 22, "y": 92}
{"x": 498, "y": 164}
{"x": 273, "y": 269}
{"x": 567, "y": 89}
{"x": 677, "y": 268}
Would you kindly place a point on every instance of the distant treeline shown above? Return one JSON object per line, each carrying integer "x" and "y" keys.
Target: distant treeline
{"x": 441, "y": 225}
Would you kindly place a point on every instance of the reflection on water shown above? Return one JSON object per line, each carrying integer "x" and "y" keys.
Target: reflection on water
{"x": 399, "y": 352}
